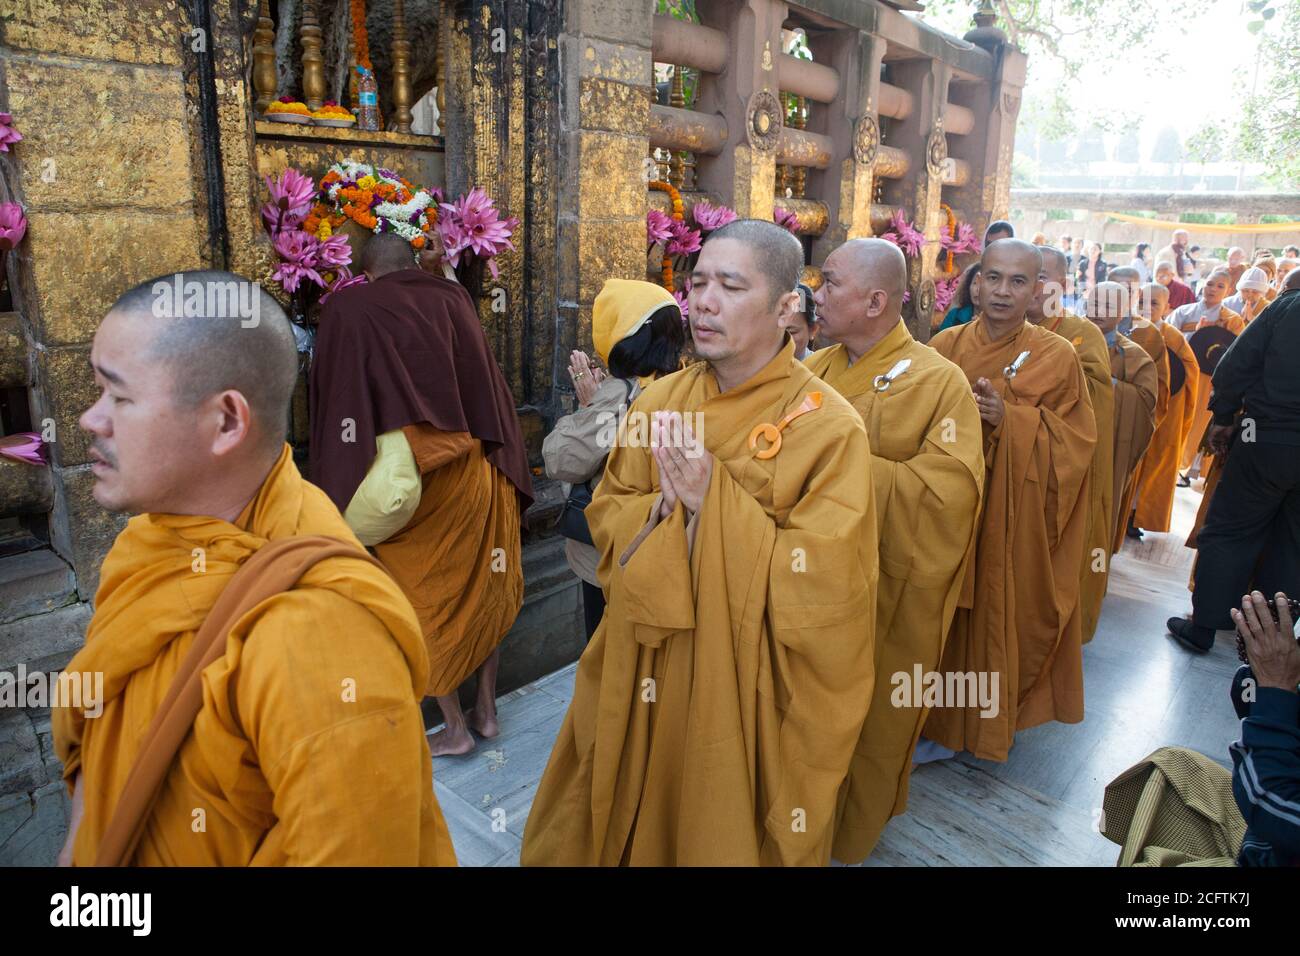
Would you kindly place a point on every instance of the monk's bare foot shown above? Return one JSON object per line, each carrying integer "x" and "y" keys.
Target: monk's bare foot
{"x": 445, "y": 743}
{"x": 485, "y": 726}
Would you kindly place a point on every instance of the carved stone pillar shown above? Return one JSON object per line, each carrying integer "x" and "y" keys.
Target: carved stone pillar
{"x": 921, "y": 136}
{"x": 852, "y": 124}
{"x": 743, "y": 174}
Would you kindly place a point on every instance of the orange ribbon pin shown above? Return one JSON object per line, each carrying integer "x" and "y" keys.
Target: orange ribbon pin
{"x": 811, "y": 402}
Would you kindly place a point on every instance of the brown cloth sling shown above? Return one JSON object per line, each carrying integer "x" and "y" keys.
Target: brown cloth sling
{"x": 275, "y": 568}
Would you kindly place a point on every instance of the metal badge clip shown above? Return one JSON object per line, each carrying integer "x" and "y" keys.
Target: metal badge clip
{"x": 881, "y": 382}
{"x": 1010, "y": 371}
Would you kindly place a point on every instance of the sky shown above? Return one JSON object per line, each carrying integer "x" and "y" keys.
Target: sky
{"x": 1177, "y": 81}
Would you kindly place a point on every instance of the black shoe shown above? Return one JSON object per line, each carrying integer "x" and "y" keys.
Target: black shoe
{"x": 1191, "y": 636}
{"x": 1134, "y": 533}
{"x": 1184, "y": 481}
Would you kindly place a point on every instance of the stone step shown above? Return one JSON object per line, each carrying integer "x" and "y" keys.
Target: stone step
{"x": 34, "y": 582}
{"x": 44, "y": 642}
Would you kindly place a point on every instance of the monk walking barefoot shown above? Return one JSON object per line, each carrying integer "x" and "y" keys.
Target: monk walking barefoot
{"x": 414, "y": 436}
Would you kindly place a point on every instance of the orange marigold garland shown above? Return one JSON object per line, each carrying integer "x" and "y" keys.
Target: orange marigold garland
{"x": 360, "y": 39}
{"x": 666, "y": 267}
{"x": 952, "y": 232}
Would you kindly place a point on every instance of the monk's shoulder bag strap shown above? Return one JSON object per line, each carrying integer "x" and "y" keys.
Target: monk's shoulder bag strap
{"x": 275, "y": 568}
{"x": 572, "y": 522}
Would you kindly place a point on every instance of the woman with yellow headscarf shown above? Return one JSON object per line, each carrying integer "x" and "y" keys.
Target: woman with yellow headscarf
{"x": 636, "y": 328}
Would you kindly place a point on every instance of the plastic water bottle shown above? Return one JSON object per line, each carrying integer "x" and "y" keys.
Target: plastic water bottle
{"x": 367, "y": 100}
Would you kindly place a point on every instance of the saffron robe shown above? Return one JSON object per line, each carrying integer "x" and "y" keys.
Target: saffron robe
{"x": 1090, "y": 345}
{"x": 458, "y": 559}
{"x": 1152, "y": 342}
{"x": 1158, "y": 473}
{"x": 1234, "y": 323}
{"x": 716, "y": 709}
{"x": 309, "y": 748}
{"x": 1018, "y": 613}
{"x": 1136, "y": 383}
{"x": 927, "y": 464}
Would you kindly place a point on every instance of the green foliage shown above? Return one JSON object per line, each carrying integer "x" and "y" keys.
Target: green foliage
{"x": 1024, "y": 172}
{"x": 1207, "y": 144}
{"x": 1266, "y": 129}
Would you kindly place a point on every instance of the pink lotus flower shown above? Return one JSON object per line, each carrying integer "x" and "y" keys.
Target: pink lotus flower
{"x": 684, "y": 241}
{"x": 785, "y": 219}
{"x": 8, "y": 134}
{"x": 334, "y": 251}
{"x": 345, "y": 280}
{"x": 682, "y": 296}
{"x": 473, "y": 224}
{"x": 13, "y": 224}
{"x": 904, "y": 235}
{"x": 23, "y": 446}
{"x": 944, "y": 290}
{"x": 709, "y": 217}
{"x": 658, "y": 227}
{"x": 298, "y": 259}
{"x": 965, "y": 240}
{"x": 291, "y": 194}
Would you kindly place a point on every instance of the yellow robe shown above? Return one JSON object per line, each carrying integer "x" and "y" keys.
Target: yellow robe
{"x": 1090, "y": 345}
{"x": 310, "y": 747}
{"x": 1235, "y": 324}
{"x": 928, "y": 468}
{"x": 1151, "y": 341}
{"x": 716, "y": 709}
{"x": 1136, "y": 396}
{"x": 458, "y": 559}
{"x": 1158, "y": 474}
{"x": 1018, "y": 615}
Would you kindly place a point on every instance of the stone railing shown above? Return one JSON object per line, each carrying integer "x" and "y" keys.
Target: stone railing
{"x": 1030, "y": 209}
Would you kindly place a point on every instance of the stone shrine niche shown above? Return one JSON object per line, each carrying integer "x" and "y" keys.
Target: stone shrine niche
{"x": 334, "y": 17}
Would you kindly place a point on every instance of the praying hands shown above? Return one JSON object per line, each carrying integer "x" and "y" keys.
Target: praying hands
{"x": 684, "y": 466}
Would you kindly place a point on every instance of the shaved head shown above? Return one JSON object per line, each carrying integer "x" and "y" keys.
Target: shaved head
{"x": 1055, "y": 263}
{"x": 1105, "y": 303}
{"x": 1048, "y": 300}
{"x": 861, "y": 297}
{"x": 879, "y": 262}
{"x": 220, "y": 332}
{"x": 777, "y": 253}
{"x": 385, "y": 253}
{"x": 1292, "y": 280}
{"x": 197, "y": 370}
{"x": 1007, "y": 283}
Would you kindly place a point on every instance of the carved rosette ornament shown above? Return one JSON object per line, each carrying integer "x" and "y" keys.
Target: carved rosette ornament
{"x": 866, "y": 141}
{"x": 923, "y": 296}
{"x": 763, "y": 121}
{"x": 936, "y": 151}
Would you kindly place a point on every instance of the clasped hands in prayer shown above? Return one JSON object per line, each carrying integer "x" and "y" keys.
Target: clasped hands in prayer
{"x": 682, "y": 477}
{"x": 586, "y": 377}
{"x": 989, "y": 401}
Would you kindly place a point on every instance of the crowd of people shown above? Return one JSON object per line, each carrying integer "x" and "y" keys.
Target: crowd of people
{"x": 804, "y": 569}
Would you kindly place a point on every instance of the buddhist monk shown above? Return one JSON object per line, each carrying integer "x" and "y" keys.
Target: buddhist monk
{"x": 927, "y": 461}
{"x": 1209, "y": 310}
{"x": 716, "y": 709}
{"x": 1134, "y": 377}
{"x": 309, "y": 745}
{"x": 1047, "y": 310}
{"x": 1158, "y": 472}
{"x": 1018, "y": 613}
{"x": 1143, "y": 333}
{"x": 415, "y": 438}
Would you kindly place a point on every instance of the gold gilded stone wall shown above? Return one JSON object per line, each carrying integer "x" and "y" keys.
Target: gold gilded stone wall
{"x": 105, "y": 173}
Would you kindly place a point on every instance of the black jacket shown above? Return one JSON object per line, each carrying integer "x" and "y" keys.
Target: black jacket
{"x": 1260, "y": 374}
{"x": 1266, "y": 775}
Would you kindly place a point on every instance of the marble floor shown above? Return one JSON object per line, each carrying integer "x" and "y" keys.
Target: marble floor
{"x": 1142, "y": 691}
